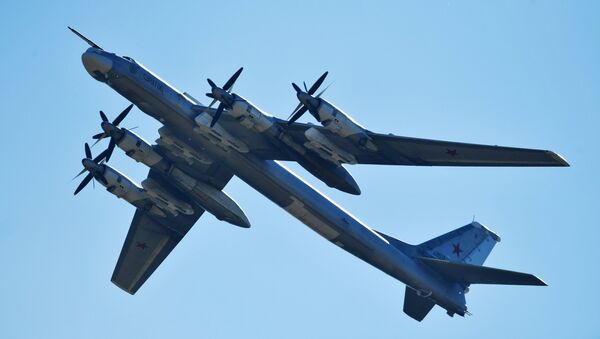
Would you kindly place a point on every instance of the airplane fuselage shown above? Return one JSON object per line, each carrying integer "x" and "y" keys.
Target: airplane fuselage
{"x": 176, "y": 111}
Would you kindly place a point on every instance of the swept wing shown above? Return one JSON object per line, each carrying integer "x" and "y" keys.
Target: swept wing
{"x": 399, "y": 150}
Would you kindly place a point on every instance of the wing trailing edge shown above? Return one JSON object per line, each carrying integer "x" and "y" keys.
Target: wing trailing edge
{"x": 475, "y": 274}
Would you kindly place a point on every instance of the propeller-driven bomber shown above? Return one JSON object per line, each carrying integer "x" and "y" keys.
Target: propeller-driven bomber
{"x": 201, "y": 148}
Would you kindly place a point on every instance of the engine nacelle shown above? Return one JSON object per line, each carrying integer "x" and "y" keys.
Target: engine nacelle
{"x": 341, "y": 124}
{"x": 249, "y": 116}
{"x": 217, "y": 135}
{"x": 138, "y": 149}
{"x": 215, "y": 201}
{"x": 124, "y": 188}
{"x": 164, "y": 200}
{"x": 327, "y": 149}
{"x": 180, "y": 149}
{"x": 121, "y": 186}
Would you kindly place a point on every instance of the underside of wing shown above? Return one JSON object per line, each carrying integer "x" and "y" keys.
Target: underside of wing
{"x": 152, "y": 236}
{"x": 149, "y": 241}
{"x": 398, "y": 150}
{"x": 424, "y": 152}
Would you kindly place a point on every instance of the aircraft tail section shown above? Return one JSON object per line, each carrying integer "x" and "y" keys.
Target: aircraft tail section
{"x": 470, "y": 244}
{"x": 457, "y": 256}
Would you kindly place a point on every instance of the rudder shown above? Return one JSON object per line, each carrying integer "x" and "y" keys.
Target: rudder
{"x": 470, "y": 244}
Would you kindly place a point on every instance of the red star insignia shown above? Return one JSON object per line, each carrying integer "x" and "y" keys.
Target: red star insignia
{"x": 141, "y": 245}
{"x": 456, "y": 249}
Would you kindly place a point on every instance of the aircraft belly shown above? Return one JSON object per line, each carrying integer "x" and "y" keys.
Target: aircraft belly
{"x": 297, "y": 209}
{"x": 305, "y": 203}
{"x": 149, "y": 100}
{"x": 319, "y": 213}
{"x": 293, "y": 194}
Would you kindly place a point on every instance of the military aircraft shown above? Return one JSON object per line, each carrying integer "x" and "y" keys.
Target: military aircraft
{"x": 201, "y": 148}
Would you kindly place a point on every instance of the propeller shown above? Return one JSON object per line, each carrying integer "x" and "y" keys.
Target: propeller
{"x": 222, "y": 94}
{"x": 90, "y": 165}
{"x": 305, "y": 98}
{"x": 108, "y": 127}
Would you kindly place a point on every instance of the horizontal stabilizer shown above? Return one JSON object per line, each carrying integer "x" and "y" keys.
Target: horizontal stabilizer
{"x": 474, "y": 274}
{"x": 416, "y": 306}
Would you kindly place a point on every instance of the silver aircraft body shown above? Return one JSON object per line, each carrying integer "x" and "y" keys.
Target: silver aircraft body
{"x": 201, "y": 148}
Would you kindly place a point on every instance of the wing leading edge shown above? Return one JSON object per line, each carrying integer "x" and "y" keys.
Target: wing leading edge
{"x": 151, "y": 238}
{"x": 399, "y": 150}
{"x": 148, "y": 242}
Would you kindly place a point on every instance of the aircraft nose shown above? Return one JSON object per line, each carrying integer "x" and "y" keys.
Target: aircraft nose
{"x": 96, "y": 64}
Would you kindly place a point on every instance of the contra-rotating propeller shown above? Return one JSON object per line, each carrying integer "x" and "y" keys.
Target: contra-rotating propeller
{"x": 93, "y": 167}
{"x": 307, "y": 101}
{"x": 222, "y": 94}
{"x": 110, "y": 129}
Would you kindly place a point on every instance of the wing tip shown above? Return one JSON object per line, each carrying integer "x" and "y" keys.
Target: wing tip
{"x": 532, "y": 280}
{"x": 560, "y": 161}
{"x": 130, "y": 291}
{"x": 539, "y": 281}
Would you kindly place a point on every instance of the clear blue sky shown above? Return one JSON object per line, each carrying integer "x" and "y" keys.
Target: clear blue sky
{"x": 516, "y": 73}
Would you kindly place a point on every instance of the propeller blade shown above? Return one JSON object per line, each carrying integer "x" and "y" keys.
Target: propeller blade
{"x": 97, "y": 141}
{"x": 217, "y": 114}
{"x": 297, "y": 115}
{"x": 99, "y": 136}
{"x": 90, "y": 42}
{"x": 103, "y": 117}
{"x": 317, "y": 83}
{"x": 100, "y": 156}
{"x": 298, "y": 90}
{"x": 210, "y": 95}
{"x": 110, "y": 149}
{"x": 84, "y": 182}
{"x": 305, "y": 88}
{"x": 233, "y": 78}
{"x": 295, "y": 110}
{"x": 88, "y": 152}
{"x": 78, "y": 174}
{"x": 323, "y": 91}
{"x": 212, "y": 103}
{"x": 211, "y": 83}
{"x": 122, "y": 116}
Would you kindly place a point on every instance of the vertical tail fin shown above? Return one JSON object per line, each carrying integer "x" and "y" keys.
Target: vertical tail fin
{"x": 470, "y": 244}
